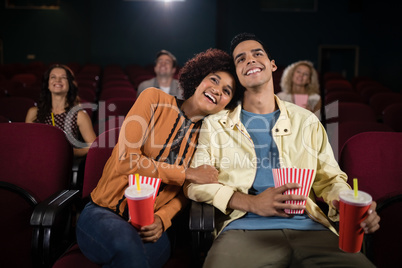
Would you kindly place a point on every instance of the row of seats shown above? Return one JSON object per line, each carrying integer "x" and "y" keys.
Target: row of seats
{"x": 40, "y": 206}
{"x": 366, "y": 91}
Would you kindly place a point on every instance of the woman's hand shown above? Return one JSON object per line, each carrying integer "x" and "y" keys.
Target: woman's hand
{"x": 202, "y": 174}
{"x": 151, "y": 233}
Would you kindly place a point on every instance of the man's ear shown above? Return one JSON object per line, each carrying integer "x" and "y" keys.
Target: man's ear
{"x": 273, "y": 66}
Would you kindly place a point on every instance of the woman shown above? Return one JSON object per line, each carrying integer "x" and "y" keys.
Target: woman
{"x": 300, "y": 85}
{"x": 58, "y": 107}
{"x": 157, "y": 139}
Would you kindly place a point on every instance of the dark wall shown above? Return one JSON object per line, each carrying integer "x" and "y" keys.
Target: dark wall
{"x": 123, "y": 32}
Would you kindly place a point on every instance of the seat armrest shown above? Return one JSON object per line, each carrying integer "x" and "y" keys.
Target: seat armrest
{"x": 202, "y": 217}
{"x": 40, "y": 209}
{"x": 50, "y": 238}
{"x": 67, "y": 199}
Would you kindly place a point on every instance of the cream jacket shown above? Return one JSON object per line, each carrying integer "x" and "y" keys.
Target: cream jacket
{"x": 302, "y": 142}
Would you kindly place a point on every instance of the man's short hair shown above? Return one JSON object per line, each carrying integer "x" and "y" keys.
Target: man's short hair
{"x": 245, "y": 37}
{"x": 165, "y": 52}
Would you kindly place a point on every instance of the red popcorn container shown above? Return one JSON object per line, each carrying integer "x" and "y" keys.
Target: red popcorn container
{"x": 302, "y": 176}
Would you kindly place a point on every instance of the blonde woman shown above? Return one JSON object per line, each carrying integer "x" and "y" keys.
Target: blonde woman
{"x": 299, "y": 83}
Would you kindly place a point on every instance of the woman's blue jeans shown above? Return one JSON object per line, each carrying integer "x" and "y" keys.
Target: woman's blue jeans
{"x": 106, "y": 238}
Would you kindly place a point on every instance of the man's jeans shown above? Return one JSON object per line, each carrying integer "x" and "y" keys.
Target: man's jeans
{"x": 106, "y": 238}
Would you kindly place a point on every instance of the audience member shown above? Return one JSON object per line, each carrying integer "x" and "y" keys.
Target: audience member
{"x": 157, "y": 139}
{"x": 165, "y": 68}
{"x": 244, "y": 145}
{"x": 300, "y": 85}
{"x": 59, "y": 106}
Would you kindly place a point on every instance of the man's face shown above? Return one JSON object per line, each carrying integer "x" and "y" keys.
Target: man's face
{"x": 253, "y": 67}
{"x": 164, "y": 66}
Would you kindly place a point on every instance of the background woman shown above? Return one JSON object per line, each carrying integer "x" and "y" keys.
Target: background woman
{"x": 298, "y": 79}
{"x": 157, "y": 139}
{"x": 58, "y": 106}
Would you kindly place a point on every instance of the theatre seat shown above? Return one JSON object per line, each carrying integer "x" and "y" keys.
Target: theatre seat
{"x": 35, "y": 168}
{"x": 375, "y": 158}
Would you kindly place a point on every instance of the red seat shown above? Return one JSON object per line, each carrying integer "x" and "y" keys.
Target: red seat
{"x": 342, "y": 96}
{"x": 118, "y": 106}
{"x": 118, "y": 92}
{"x": 350, "y": 111}
{"x": 380, "y": 101}
{"x": 97, "y": 156}
{"x": 35, "y": 167}
{"x": 339, "y": 134}
{"x": 30, "y": 92}
{"x": 375, "y": 158}
{"x": 4, "y": 119}
{"x": 15, "y": 108}
{"x": 338, "y": 85}
{"x": 87, "y": 93}
{"x": 27, "y": 79}
{"x": 367, "y": 83}
{"x": 331, "y": 76}
{"x": 392, "y": 116}
{"x": 370, "y": 90}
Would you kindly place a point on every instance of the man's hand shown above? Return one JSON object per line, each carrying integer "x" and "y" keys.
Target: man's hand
{"x": 269, "y": 203}
{"x": 371, "y": 223}
{"x": 152, "y": 232}
{"x": 202, "y": 174}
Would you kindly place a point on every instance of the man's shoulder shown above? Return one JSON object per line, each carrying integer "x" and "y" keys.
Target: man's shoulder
{"x": 295, "y": 110}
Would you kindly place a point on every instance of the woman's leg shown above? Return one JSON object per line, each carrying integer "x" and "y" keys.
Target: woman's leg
{"x": 107, "y": 239}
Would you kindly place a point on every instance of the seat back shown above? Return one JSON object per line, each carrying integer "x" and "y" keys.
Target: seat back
{"x": 37, "y": 157}
{"x": 381, "y": 100}
{"x": 118, "y": 92}
{"x": 15, "y": 108}
{"x": 374, "y": 158}
{"x": 97, "y": 156}
{"x": 35, "y": 163}
{"x": 350, "y": 111}
{"x": 351, "y": 128}
{"x": 342, "y": 96}
{"x": 392, "y": 116}
{"x": 118, "y": 106}
{"x": 383, "y": 246}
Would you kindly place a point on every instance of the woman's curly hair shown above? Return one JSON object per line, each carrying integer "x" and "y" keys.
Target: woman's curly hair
{"x": 45, "y": 100}
{"x": 286, "y": 80}
{"x": 210, "y": 61}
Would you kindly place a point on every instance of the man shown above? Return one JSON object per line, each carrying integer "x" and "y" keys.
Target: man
{"x": 245, "y": 145}
{"x": 165, "y": 68}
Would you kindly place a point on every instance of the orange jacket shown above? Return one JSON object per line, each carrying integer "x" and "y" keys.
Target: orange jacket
{"x": 156, "y": 140}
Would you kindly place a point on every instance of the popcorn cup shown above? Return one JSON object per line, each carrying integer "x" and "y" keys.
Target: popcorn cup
{"x": 304, "y": 177}
{"x": 352, "y": 211}
{"x": 140, "y": 205}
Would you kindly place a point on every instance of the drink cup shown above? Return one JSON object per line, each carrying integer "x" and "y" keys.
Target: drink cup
{"x": 302, "y": 176}
{"x": 352, "y": 211}
{"x": 140, "y": 205}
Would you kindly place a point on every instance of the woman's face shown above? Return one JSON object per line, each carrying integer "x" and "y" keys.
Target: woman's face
{"x": 214, "y": 92}
{"x": 58, "y": 81}
{"x": 301, "y": 75}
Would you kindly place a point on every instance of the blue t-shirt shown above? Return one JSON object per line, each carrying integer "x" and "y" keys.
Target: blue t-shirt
{"x": 259, "y": 127}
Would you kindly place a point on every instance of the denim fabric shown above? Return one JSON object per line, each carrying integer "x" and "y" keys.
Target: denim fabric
{"x": 106, "y": 238}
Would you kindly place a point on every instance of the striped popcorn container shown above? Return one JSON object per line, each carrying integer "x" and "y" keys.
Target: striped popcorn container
{"x": 302, "y": 176}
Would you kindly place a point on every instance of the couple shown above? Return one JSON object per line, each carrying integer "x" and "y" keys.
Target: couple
{"x": 252, "y": 224}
